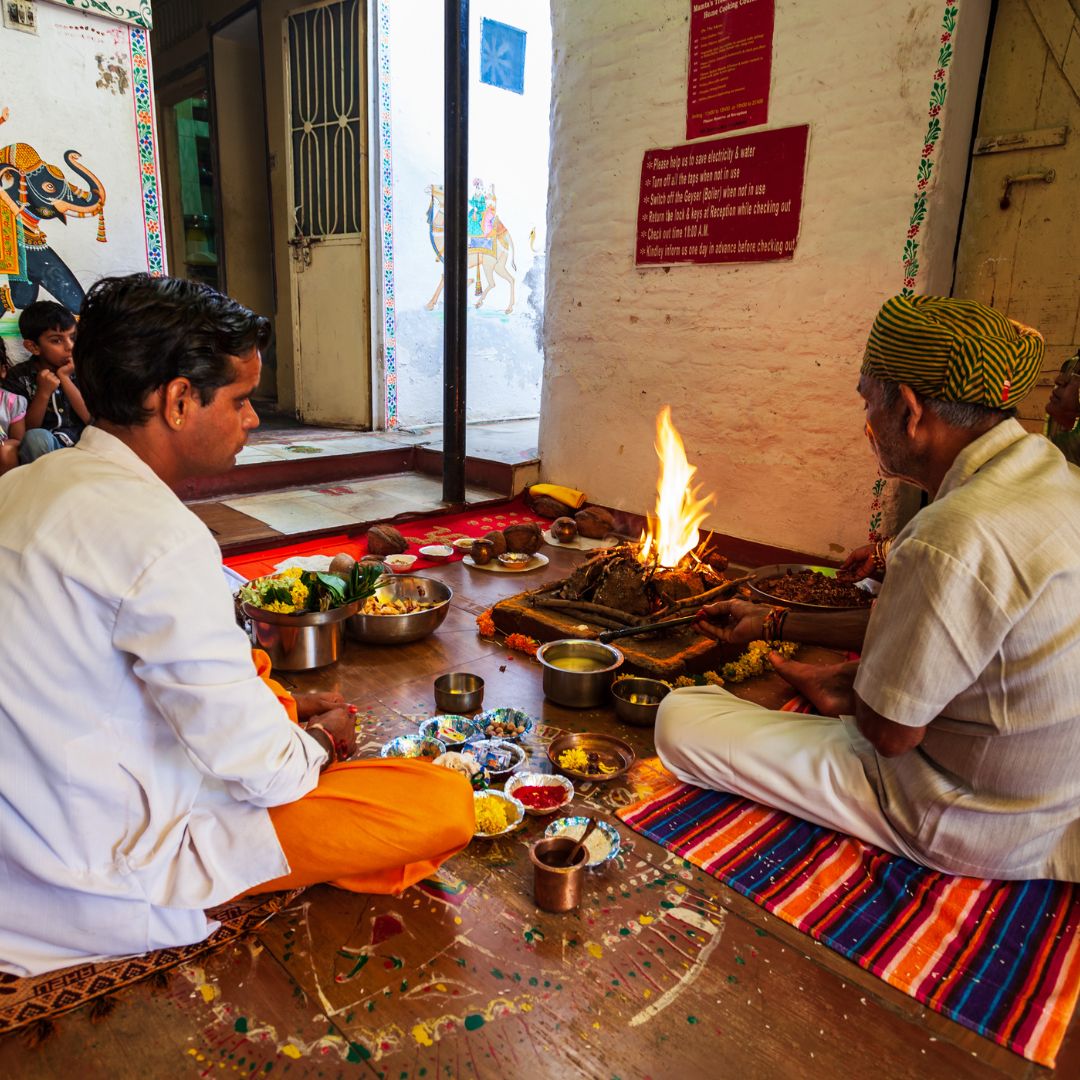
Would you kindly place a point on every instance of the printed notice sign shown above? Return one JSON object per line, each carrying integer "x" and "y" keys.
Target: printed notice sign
{"x": 727, "y": 200}
{"x": 730, "y": 65}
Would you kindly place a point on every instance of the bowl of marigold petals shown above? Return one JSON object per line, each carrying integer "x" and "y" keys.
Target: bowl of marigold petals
{"x": 540, "y": 793}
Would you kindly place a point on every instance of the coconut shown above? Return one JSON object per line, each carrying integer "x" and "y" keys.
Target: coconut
{"x": 385, "y": 540}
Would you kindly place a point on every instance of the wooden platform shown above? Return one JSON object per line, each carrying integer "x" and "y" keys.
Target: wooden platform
{"x": 662, "y": 973}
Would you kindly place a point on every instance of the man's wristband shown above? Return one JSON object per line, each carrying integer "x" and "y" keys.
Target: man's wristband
{"x": 329, "y": 745}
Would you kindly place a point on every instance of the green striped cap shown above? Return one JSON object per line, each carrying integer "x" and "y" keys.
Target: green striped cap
{"x": 954, "y": 350}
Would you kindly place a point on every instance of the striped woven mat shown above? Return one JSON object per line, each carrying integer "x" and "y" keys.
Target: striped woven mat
{"x": 999, "y": 957}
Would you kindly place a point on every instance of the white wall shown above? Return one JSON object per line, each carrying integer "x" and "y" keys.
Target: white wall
{"x": 758, "y": 361}
{"x": 50, "y": 88}
{"x": 508, "y": 147}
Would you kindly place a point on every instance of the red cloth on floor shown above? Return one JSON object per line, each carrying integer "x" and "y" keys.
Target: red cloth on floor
{"x": 436, "y": 529}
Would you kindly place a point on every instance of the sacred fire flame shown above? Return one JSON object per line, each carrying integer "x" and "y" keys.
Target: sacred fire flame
{"x": 673, "y": 530}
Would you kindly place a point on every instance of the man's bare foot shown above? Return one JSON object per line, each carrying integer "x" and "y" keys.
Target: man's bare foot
{"x": 830, "y": 688}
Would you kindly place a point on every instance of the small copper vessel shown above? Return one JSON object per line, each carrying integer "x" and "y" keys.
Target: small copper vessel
{"x": 483, "y": 551}
{"x": 556, "y": 887}
{"x": 564, "y": 529}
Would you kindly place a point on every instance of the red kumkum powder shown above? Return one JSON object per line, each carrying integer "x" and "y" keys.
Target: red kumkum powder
{"x": 541, "y": 796}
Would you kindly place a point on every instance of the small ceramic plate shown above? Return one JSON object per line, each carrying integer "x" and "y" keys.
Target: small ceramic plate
{"x": 611, "y": 752}
{"x": 515, "y": 811}
{"x": 532, "y": 779}
{"x": 464, "y": 543}
{"x": 514, "y": 717}
{"x": 501, "y": 758}
{"x": 449, "y": 728}
{"x": 413, "y": 746}
{"x": 573, "y": 827}
{"x": 497, "y": 567}
{"x": 400, "y": 563}
{"x": 437, "y": 552}
{"x": 580, "y": 543}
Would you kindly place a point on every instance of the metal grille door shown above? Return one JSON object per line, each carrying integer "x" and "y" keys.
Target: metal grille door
{"x": 326, "y": 111}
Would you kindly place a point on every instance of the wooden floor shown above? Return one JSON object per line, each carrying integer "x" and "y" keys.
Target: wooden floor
{"x": 662, "y": 973}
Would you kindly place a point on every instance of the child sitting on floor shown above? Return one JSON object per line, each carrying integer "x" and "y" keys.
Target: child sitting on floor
{"x": 56, "y": 413}
{"x": 12, "y": 419}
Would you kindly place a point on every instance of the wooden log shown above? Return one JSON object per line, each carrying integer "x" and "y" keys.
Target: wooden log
{"x": 596, "y": 609}
{"x": 708, "y": 597}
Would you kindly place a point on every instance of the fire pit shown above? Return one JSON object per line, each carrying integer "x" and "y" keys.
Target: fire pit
{"x": 669, "y": 572}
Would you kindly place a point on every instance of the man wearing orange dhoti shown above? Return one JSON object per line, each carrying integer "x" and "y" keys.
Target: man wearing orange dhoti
{"x": 149, "y": 771}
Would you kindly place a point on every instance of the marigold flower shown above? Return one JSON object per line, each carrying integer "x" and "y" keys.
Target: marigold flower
{"x": 522, "y": 643}
{"x": 485, "y": 624}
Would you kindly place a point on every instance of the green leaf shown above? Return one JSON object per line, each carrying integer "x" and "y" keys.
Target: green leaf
{"x": 334, "y": 585}
{"x": 362, "y": 581}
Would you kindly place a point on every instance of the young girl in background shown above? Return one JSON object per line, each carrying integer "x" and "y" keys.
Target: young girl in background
{"x": 12, "y": 419}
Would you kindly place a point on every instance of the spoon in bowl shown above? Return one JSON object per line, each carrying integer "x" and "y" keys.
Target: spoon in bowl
{"x": 571, "y": 858}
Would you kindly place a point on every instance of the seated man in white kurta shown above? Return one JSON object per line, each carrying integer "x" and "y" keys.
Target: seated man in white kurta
{"x": 959, "y": 730}
{"x": 147, "y": 772}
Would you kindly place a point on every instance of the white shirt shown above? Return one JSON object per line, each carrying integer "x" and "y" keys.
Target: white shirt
{"x": 976, "y": 637}
{"x": 138, "y": 748}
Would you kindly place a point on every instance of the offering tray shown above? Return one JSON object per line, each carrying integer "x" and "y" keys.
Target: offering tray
{"x": 762, "y": 573}
{"x": 496, "y": 567}
{"x": 612, "y": 752}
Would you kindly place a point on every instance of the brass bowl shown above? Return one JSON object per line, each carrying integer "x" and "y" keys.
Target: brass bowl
{"x": 459, "y": 692}
{"x": 579, "y": 689}
{"x": 638, "y": 700}
{"x": 612, "y": 751}
{"x": 401, "y": 629}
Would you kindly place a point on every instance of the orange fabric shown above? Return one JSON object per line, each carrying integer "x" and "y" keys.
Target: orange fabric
{"x": 373, "y": 826}
{"x": 370, "y": 826}
{"x": 262, "y": 669}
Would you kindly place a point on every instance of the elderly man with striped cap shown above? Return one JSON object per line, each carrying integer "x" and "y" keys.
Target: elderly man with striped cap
{"x": 957, "y": 733}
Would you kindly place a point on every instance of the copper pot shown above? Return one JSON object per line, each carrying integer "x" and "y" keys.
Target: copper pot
{"x": 483, "y": 551}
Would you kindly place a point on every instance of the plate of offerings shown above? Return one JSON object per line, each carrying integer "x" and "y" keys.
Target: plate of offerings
{"x": 540, "y": 793}
{"x": 450, "y": 729}
{"x": 414, "y": 747}
{"x": 603, "y": 843}
{"x": 510, "y": 724}
{"x": 499, "y": 758}
{"x": 589, "y": 756}
{"x": 496, "y": 814}
{"x": 533, "y": 562}
{"x": 807, "y": 588}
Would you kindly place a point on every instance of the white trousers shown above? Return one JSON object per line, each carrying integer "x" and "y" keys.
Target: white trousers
{"x": 804, "y": 765}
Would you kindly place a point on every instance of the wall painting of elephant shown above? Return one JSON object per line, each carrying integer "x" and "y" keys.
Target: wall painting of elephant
{"x": 33, "y": 192}
{"x": 490, "y": 245}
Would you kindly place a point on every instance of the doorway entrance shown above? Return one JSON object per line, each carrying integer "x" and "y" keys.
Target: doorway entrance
{"x": 1019, "y": 247}
{"x": 189, "y": 165}
{"x": 326, "y": 123}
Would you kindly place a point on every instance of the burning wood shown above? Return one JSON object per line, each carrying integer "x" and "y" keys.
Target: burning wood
{"x": 629, "y": 584}
{"x": 614, "y": 590}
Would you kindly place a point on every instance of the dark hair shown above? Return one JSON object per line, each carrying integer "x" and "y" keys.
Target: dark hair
{"x": 138, "y": 333}
{"x": 3, "y": 354}
{"x": 958, "y": 414}
{"x": 43, "y": 315}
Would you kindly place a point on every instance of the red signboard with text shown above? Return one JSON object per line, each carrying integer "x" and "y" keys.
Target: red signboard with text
{"x": 727, "y": 200}
{"x": 730, "y": 65}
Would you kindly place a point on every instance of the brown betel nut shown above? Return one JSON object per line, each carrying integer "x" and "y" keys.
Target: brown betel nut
{"x": 385, "y": 540}
{"x": 526, "y": 537}
{"x": 594, "y": 522}
{"x": 498, "y": 541}
{"x": 546, "y": 506}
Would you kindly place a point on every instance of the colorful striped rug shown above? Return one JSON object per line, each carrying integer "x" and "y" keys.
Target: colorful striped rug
{"x": 999, "y": 957}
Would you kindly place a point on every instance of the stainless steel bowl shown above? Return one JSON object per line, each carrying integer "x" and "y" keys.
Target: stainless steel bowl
{"x": 399, "y": 629}
{"x": 585, "y": 687}
{"x": 301, "y": 642}
{"x": 637, "y": 700}
{"x": 459, "y": 692}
